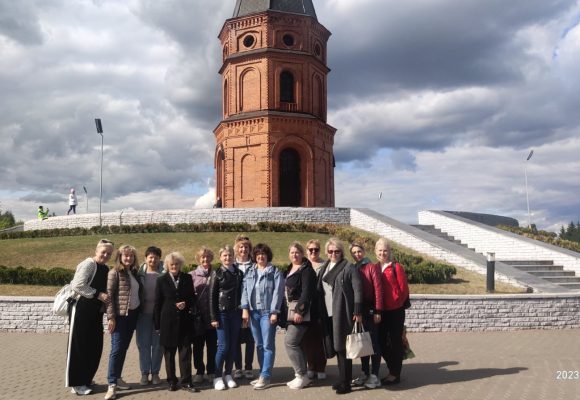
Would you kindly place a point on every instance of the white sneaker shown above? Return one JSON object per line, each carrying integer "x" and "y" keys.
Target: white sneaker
{"x": 299, "y": 382}
{"x": 197, "y": 378}
{"x": 321, "y": 375}
{"x": 248, "y": 374}
{"x": 372, "y": 382}
{"x": 155, "y": 379}
{"x": 293, "y": 381}
{"x": 262, "y": 383}
{"x": 122, "y": 385}
{"x": 360, "y": 380}
{"x": 310, "y": 374}
{"x": 254, "y": 381}
{"x": 218, "y": 384}
{"x": 238, "y": 374}
{"x": 230, "y": 382}
{"x": 81, "y": 390}
{"x": 111, "y": 392}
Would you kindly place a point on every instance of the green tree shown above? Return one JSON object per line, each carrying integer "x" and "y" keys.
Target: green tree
{"x": 6, "y": 219}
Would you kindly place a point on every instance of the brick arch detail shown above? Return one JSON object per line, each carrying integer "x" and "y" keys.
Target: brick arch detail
{"x": 250, "y": 93}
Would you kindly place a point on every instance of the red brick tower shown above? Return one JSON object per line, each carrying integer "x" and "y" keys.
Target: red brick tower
{"x": 274, "y": 147}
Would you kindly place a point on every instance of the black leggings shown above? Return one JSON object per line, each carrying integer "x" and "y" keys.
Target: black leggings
{"x": 391, "y": 331}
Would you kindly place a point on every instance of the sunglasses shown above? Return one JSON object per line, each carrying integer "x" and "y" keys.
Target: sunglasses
{"x": 314, "y": 250}
{"x": 334, "y": 251}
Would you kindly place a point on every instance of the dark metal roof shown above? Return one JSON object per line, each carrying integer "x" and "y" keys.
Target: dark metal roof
{"x": 247, "y": 7}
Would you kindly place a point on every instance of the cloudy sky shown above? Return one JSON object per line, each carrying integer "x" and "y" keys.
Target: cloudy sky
{"x": 437, "y": 104}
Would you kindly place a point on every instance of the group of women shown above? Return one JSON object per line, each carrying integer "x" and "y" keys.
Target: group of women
{"x": 244, "y": 300}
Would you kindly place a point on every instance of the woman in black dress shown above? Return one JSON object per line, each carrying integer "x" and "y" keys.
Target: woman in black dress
{"x": 85, "y": 341}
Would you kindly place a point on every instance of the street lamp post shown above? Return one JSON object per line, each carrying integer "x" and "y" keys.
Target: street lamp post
{"x": 527, "y": 196}
{"x": 86, "y": 197}
{"x": 100, "y": 132}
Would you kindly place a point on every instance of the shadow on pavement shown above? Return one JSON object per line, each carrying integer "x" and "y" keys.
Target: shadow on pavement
{"x": 424, "y": 374}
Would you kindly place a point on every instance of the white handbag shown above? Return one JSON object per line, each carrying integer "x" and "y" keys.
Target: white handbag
{"x": 61, "y": 301}
{"x": 359, "y": 343}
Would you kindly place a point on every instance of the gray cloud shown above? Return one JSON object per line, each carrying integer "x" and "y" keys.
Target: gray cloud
{"x": 434, "y": 102}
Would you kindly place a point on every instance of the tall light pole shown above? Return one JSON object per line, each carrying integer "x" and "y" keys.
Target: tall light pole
{"x": 86, "y": 197}
{"x": 100, "y": 132}
{"x": 527, "y": 196}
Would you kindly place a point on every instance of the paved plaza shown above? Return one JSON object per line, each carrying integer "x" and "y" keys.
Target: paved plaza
{"x": 464, "y": 366}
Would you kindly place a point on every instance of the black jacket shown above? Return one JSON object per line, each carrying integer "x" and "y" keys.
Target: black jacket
{"x": 225, "y": 291}
{"x": 300, "y": 287}
{"x": 175, "y": 326}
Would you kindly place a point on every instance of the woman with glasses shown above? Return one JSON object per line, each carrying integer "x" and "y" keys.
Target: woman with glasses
{"x": 372, "y": 289}
{"x": 85, "y": 339}
{"x": 312, "y": 341}
{"x": 396, "y": 293}
{"x": 299, "y": 287}
{"x": 243, "y": 250}
{"x": 262, "y": 296}
{"x": 339, "y": 291}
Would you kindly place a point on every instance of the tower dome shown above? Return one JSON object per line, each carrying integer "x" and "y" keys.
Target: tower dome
{"x": 247, "y": 7}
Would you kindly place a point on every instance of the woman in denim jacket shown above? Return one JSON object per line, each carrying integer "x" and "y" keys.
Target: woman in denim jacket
{"x": 262, "y": 296}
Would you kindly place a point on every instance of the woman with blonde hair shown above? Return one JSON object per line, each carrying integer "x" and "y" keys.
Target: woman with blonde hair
{"x": 174, "y": 299}
{"x": 300, "y": 292}
{"x": 339, "y": 291}
{"x": 225, "y": 294}
{"x": 396, "y": 293}
{"x": 243, "y": 251}
{"x": 85, "y": 339}
{"x": 125, "y": 291}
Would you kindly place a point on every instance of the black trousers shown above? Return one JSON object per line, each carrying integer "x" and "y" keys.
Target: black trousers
{"x": 344, "y": 369}
{"x": 391, "y": 327}
{"x": 247, "y": 338}
{"x": 184, "y": 363}
{"x": 208, "y": 340}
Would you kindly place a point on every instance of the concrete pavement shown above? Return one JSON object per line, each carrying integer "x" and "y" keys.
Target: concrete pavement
{"x": 490, "y": 365}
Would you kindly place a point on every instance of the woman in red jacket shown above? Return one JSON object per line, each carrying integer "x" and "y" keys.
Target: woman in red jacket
{"x": 396, "y": 292}
{"x": 372, "y": 288}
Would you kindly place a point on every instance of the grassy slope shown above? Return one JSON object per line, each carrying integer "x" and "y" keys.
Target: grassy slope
{"x": 69, "y": 251}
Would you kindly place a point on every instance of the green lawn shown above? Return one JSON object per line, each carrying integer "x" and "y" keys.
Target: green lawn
{"x": 67, "y": 252}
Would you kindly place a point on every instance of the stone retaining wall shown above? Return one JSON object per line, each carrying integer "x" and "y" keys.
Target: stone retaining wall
{"x": 429, "y": 313}
{"x": 252, "y": 216}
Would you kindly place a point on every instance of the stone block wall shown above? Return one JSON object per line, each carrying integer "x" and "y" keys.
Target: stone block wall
{"x": 429, "y": 313}
{"x": 446, "y": 313}
{"x": 252, "y": 216}
{"x": 506, "y": 245}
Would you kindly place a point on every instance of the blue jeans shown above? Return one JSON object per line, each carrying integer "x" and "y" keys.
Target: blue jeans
{"x": 120, "y": 340}
{"x": 264, "y": 335}
{"x": 150, "y": 352}
{"x": 227, "y": 337}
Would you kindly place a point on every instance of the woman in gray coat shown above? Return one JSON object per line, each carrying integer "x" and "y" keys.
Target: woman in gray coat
{"x": 339, "y": 289}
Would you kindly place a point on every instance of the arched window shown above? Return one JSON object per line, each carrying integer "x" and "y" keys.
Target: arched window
{"x": 226, "y": 99}
{"x": 286, "y": 87}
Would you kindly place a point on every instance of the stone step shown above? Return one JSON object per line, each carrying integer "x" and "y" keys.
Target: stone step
{"x": 562, "y": 279}
{"x": 530, "y": 268}
{"x": 527, "y": 262}
{"x": 552, "y": 273}
{"x": 575, "y": 286}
